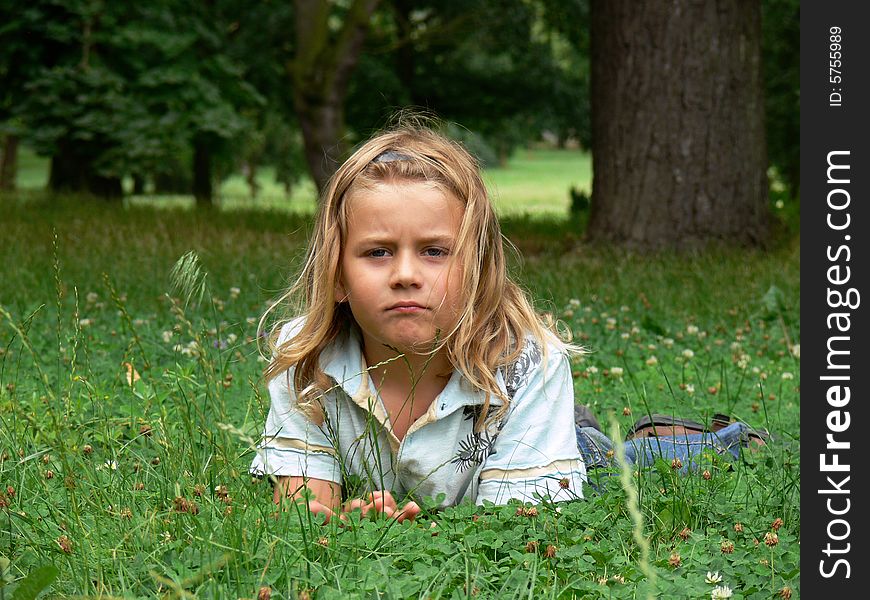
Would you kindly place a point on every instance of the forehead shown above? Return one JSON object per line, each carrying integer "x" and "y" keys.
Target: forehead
{"x": 403, "y": 204}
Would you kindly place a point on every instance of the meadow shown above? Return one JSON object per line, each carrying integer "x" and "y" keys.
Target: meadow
{"x": 128, "y": 413}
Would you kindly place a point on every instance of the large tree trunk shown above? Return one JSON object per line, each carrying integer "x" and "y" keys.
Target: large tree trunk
{"x": 321, "y": 71}
{"x": 679, "y": 155}
{"x": 8, "y": 162}
{"x": 202, "y": 184}
{"x": 72, "y": 171}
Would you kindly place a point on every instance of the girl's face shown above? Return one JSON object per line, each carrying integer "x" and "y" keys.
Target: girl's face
{"x": 398, "y": 272}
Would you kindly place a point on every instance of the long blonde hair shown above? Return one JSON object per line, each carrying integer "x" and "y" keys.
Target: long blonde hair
{"x": 491, "y": 329}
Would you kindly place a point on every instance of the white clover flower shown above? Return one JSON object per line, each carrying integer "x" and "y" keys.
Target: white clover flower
{"x": 568, "y": 314}
{"x": 668, "y": 342}
{"x": 743, "y": 361}
{"x": 635, "y": 329}
{"x": 167, "y": 537}
{"x": 692, "y": 329}
{"x": 713, "y": 578}
{"x": 587, "y": 309}
{"x": 231, "y": 338}
{"x": 178, "y": 348}
{"x": 611, "y": 323}
{"x": 111, "y": 465}
{"x": 86, "y": 322}
{"x": 787, "y": 375}
{"x": 234, "y": 292}
{"x": 756, "y": 370}
{"x": 690, "y": 389}
{"x": 92, "y": 297}
{"x": 592, "y": 369}
{"x": 688, "y": 353}
{"x": 796, "y": 350}
{"x": 624, "y": 308}
{"x": 721, "y": 592}
{"x": 140, "y": 322}
{"x": 574, "y": 302}
{"x": 651, "y": 346}
{"x": 616, "y": 371}
{"x": 624, "y": 336}
{"x": 779, "y": 204}
{"x": 652, "y": 360}
{"x": 251, "y": 320}
{"x": 167, "y": 335}
{"x": 735, "y": 346}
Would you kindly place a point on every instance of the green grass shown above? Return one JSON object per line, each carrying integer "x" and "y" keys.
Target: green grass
{"x": 535, "y": 182}
{"x": 123, "y": 456}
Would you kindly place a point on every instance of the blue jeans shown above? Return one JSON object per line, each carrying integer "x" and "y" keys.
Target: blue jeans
{"x": 594, "y": 446}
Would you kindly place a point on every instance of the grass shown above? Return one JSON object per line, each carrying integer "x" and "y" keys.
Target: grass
{"x": 148, "y": 493}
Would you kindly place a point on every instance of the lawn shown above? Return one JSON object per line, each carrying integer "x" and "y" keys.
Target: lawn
{"x": 128, "y": 417}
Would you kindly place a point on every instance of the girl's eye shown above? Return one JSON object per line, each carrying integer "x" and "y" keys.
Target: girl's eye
{"x": 435, "y": 252}
{"x": 377, "y": 253}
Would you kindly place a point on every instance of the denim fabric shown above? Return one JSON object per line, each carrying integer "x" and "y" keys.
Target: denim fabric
{"x": 594, "y": 446}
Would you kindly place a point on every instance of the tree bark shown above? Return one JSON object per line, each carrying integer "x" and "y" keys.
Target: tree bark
{"x": 679, "y": 153}
{"x": 9, "y": 163}
{"x": 321, "y": 71}
{"x": 202, "y": 174}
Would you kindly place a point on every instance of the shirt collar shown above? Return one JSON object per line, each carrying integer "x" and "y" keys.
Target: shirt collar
{"x": 344, "y": 362}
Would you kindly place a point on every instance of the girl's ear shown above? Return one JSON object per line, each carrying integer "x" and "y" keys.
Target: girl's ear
{"x": 340, "y": 293}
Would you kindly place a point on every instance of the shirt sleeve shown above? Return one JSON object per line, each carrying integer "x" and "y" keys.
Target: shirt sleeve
{"x": 292, "y": 444}
{"x": 536, "y": 451}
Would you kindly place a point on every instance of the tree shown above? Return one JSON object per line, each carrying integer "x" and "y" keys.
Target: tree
{"x": 328, "y": 43}
{"x": 679, "y": 155}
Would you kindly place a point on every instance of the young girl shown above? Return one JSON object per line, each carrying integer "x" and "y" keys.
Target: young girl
{"x": 417, "y": 367}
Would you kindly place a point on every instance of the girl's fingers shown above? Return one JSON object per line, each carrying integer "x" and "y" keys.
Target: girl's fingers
{"x": 383, "y": 499}
{"x": 354, "y": 504}
{"x": 409, "y": 512}
{"x": 316, "y": 508}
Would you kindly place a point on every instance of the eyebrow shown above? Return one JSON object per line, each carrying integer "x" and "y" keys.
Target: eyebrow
{"x": 378, "y": 239}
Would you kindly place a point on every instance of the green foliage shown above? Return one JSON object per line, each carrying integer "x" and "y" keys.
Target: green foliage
{"x": 126, "y": 89}
{"x": 781, "y": 54}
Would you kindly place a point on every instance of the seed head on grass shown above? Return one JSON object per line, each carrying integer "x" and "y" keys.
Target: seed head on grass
{"x": 675, "y": 560}
{"x": 65, "y": 544}
{"x": 188, "y": 279}
{"x": 776, "y": 524}
{"x": 265, "y": 593}
{"x": 684, "y": 534}
{"x": 785, "y": 593}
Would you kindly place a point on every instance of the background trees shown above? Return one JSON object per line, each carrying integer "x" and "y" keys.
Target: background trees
{"x": 174, "y": 96}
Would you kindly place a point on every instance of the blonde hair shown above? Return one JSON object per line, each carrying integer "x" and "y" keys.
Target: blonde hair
{"x": 491, "y": 329}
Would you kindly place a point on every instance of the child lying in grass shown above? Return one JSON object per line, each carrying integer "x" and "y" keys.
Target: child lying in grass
{"x": 415, "y": 366}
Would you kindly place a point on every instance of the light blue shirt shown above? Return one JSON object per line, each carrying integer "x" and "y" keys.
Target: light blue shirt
{"x": 532, "y": 450}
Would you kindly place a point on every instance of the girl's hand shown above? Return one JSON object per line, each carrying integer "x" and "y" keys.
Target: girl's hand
{"x": 382, "y": 501}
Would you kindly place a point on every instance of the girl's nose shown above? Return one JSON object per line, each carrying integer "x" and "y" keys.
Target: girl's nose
{"x": 406, "y": 271}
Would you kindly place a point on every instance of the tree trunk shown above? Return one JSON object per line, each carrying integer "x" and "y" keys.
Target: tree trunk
{"x": 202, "y": 185}
{"x": 9, "y": 163}
{"x": 322, "y": 124}
{"x": 321, "y": 71}
{"x": 679, "y": 155}
{"x": 72, "y": 171}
